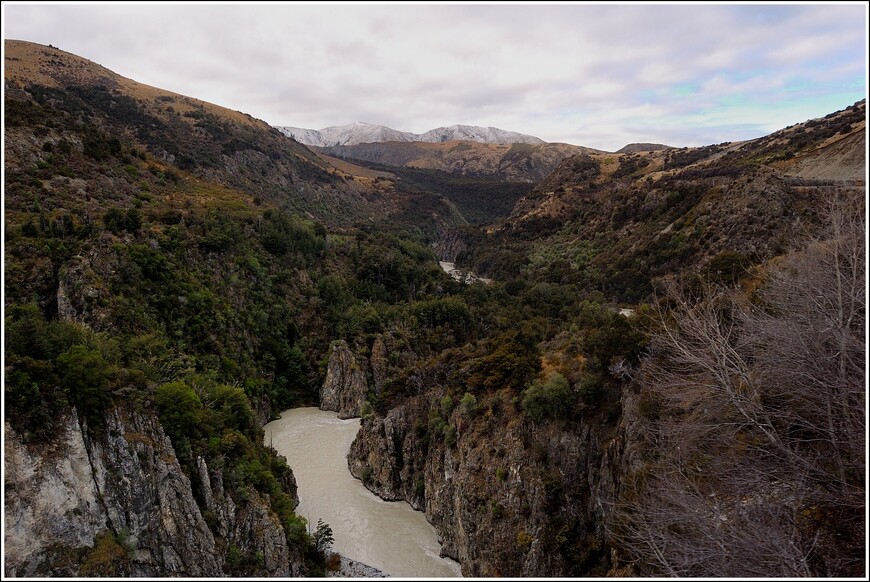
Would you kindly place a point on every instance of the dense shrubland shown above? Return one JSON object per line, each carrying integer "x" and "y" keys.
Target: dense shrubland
{"x": 141, "y": 272}
{"x": 755, "y": 421}
{"x": 132, "y": 282}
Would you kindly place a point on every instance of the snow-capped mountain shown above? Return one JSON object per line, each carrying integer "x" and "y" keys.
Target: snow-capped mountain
{"x": 357, "y": 133}
{"x": 346, "y": 134}
{"x": 478, "y": 134}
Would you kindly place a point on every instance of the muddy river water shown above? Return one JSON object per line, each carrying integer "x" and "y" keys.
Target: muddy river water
{"x": 389, "y": 536}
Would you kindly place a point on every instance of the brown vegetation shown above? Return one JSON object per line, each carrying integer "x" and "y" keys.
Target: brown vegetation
{"x": 756, "y": 428}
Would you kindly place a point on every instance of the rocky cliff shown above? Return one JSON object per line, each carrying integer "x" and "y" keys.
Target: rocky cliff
{"x": 344, "y": 389}
{"x": 508, "y": 497}
{"x": 119, "y": 504}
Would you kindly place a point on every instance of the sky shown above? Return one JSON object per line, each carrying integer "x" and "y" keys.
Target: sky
{"x": 599, "y": 76}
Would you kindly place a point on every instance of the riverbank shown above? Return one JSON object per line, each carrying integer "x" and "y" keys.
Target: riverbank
{"x": 462, "y": 275}
{"x": 388, "y": 536}
{"x": 353, "y": 569}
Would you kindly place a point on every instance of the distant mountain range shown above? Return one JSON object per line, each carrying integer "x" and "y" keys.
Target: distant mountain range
{"x": 357, "y": 133}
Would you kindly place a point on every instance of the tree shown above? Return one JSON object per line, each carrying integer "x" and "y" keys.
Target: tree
{"x": 322, "y": 537}
{"x": 551, "y": 399}
{"x": 757, "y": 456}
{"x": 178, "y": 406}
{"x": 84, "y": 373}
{"x": 468, "y": 405}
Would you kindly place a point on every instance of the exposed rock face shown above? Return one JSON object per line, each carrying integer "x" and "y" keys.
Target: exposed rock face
{"x": 257, "y": 529}
{"x": 352, "y": 569}
{"x": 344, "y": 389}
{"x": 379, "y": 363}
{"x": 64, "y": 494}
{"x": 263, "y": 409}
{"x": 127, "y": 482}
{"x": 450, "y": 245}
{"x": 508, "y": 497}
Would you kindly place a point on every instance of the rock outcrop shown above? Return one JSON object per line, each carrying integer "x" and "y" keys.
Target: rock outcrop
{"x": 507, "y": 497}
{"x": 60, "y": 496}
{"x": 379, "y": 363}
{"x": 125, "y": 483}
{"x": 348, "y": 568}
{"x": 344, "y": 389}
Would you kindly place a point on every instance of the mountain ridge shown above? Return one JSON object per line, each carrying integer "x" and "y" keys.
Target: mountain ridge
{"x": 208, "y": 141}
{"x": 360, "y": 132}
{"x": 515, "y": 162}
{"x": 624, "y": 220}
{"x": 166, "y": 294}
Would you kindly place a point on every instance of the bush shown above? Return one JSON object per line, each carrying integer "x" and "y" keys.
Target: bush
{"x": 449, "y": 435}
{"x": 552, "y": 399}
{"x": 233, "y": 406}
{"x": 84, "y": 373}
{"x": 116, "y": 220}
{"x": 468, "y": 405}
{"x": 524, "y": 540}
{"x": 108, "y": 557}
{"x": 178, "y": 407}
{"x": 511, "y": 360}
{"x": 446, "y": 406}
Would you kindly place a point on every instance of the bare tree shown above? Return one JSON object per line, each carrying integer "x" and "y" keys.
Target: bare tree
{"x": 757, "y": 451}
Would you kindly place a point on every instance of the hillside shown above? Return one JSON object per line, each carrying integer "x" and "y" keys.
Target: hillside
{"x": 515, "y": 162}
{"x": 634, "y": 148}
{"x": 159, "y": 308}
{"x": 716, "y": 427}
{"x": 358, "y": 133}
{"x": 619, "y": 221}
{"x": 206, "y": 140}
{"x": 665, "y": 377}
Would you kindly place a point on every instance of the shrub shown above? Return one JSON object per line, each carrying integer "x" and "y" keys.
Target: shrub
{"x": 85, "y": 373}
{"x": 511, "y": 360}
{"x": 449, "y": 435}
{"x": 178, "y": 407}
{"x": 552, "y": 399}
{"x": 468, "y": 405}
{"x": 108, "y": 557}
{"x": 446, "y": 406}
{"x": 524, "y": 540}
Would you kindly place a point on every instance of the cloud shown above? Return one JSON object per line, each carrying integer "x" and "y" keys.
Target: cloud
{"x": 593, "y": 75}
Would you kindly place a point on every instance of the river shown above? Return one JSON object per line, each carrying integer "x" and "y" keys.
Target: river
{"x": 389, "y": 536}
{"x": 462, "y": 275}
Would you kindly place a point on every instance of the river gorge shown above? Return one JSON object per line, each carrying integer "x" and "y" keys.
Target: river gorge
{"x": 389, "y": 536}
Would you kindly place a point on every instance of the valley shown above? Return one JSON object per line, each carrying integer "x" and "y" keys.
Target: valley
{"x": 569, "y": 362}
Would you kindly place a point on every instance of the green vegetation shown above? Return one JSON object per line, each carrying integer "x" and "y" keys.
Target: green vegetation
{"x": 550, "y": 399}
{"x": 322, "y": 537}
{"x": 468, "y": 405}
{"x": 480, "y": 200}
{"x": 142, "y": 273}
{"x": 109, "y": 557}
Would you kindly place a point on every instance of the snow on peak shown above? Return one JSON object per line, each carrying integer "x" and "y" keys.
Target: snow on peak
{"x": 354, "y": 133}
{"x": 359, "y": 132}
{"x": 478, "y": 134}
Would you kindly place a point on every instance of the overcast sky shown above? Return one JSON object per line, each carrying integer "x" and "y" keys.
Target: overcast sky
{"x": 600, "y": 76}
